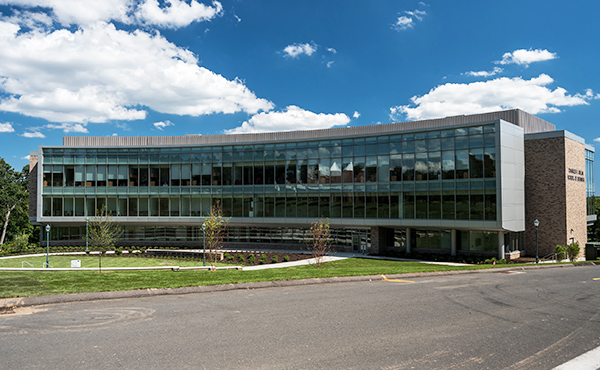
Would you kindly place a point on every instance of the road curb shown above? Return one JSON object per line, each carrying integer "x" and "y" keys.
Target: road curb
{"x": 7, "y": 303}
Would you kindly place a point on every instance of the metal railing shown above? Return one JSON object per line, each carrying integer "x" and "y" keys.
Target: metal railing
{"x": 26, "y": 263}
{"x": 554, "y": 257}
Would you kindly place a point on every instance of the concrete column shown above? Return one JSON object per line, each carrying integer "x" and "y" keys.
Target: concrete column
{"x": 408, "y": 240}
{"x": 376, "y": 240}
{"x": 501, "y": 248}
{"x": 453, "y": 242}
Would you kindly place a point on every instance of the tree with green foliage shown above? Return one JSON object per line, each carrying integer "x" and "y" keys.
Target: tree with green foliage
{"x": 321, "y": 240}
{"x": 214, "y": 233}
{"x": 13, "y": 194}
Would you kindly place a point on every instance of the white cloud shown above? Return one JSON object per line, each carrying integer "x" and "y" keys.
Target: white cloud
{"x": 330, "y": 63}
{"x": 6, "y": 127}
{"x": 356, "y": 114}
{"x": 332, "y": 50}
{"x": 408, "y": 20}
{"x": 294, "y": 50}
{"x": 30, "y": 19}
{"x": 452, "y": 99}
{"x": 491, "y": 73}
{"x": 161, "y": 125}
{"x": 292, "y": 119}
{"x": 403, "y": 23}
{"x": 177, "y": 13}
{"x": 526, "y": 57}
{"x": 27, "y": 157}
{"x": 68, "y": 127}
{"x": 95, "y": 74}
{"x": 34, "y": 134}
{"x": 173, "y": 13}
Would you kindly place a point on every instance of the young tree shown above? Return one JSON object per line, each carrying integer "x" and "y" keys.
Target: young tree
{"x": 321, "y": 240}
{"x": 103, "y": 232}
{"x": 214, "y": 232}
{"x": 13, "y": 193}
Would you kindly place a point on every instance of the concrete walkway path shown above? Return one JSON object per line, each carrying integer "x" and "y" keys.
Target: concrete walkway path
{"x": 334, "y": 256}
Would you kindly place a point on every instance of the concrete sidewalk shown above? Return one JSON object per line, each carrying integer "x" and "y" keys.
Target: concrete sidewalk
{"x": 335, "y": 256}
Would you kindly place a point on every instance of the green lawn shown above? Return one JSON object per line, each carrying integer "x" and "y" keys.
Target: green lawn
{"x": 92, "y": 261}
{"x": 35, "y": 283}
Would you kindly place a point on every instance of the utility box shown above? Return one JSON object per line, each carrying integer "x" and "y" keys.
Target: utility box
{"x": 592, "y": 251}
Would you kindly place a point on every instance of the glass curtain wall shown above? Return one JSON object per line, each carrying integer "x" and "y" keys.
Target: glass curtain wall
{"x": 439, "y": 174}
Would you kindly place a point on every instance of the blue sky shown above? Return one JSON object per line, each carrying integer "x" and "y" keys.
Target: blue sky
{"x": 148, "y": 67}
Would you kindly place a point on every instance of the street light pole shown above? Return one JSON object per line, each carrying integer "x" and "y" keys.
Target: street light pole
{"x": 87, "y": 220}
{"x": 536, "y": 223}
{"x": 47, "y": 245}
{"x": 204, "y": 243}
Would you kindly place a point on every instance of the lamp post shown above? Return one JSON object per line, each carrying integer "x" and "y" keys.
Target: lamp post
{"x": 87, "y": 220}
{"x": 47, "y": 245}
{"x": 204, "y": 243}
{"x": 536, "y": 223}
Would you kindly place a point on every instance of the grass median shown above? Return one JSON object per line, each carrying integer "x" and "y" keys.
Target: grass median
{"x": 93, "y": 261}
{"x": 36, "y": 283}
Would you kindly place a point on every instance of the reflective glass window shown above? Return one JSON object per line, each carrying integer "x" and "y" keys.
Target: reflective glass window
{"x": 476, "y": 163}
{"x": 421, "y": 168}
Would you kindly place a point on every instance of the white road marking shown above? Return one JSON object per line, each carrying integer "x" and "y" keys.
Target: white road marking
{"x": 589, "y": 360}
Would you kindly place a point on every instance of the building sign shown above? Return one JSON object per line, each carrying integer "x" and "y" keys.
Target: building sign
{"x": 576, "y": 175}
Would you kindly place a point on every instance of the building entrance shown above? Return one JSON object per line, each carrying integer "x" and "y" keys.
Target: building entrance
{"x": 359, "y": 243}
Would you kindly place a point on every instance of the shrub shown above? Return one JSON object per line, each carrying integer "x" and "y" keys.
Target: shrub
{"x": 573, "y": 251}
{"x": 561, "y": 253}
{"x": 286, "y": 258}
{"x": 118, "y": 251}
{"x": 262, "y": 259}
{"x": 274, "y": 259}
{"x": 251, "y": 258}
{"x": 240, "y": 258}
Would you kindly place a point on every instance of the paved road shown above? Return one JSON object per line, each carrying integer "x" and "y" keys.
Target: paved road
{"x": 536, "y": 319}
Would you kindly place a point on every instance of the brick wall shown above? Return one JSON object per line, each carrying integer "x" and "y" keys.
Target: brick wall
{"x": 551, "y": 197}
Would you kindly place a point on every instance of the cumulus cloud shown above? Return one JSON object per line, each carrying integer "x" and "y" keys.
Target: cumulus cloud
{"x": 356, "y": 114}
{"x": 408, "y": 19}
{"x": 68, "y": 127}
{"x": 27, "y": 157}
{"x": 295, "y": 50}
{"x": 526, "y": 57}
{"x": 533, "y": 96}
{"x": 34, "y": 134}
{"x": 6, "y": 127}
{"x": 171, "y": 14}
{"x": 491, "y": 73}
{"x": 291, "y": 119}
{"x": 332, "y": 50}
{"x": 95, "y": 74}
{"x": 161, "y": 125}
{"x": 177, "y": 13}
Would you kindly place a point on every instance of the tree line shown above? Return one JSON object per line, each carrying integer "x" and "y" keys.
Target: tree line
{"x": 14, "y": 207}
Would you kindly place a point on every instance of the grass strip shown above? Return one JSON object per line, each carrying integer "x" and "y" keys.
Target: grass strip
{"x": 36, "y": 283}
{"x": 92, "y": 261}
